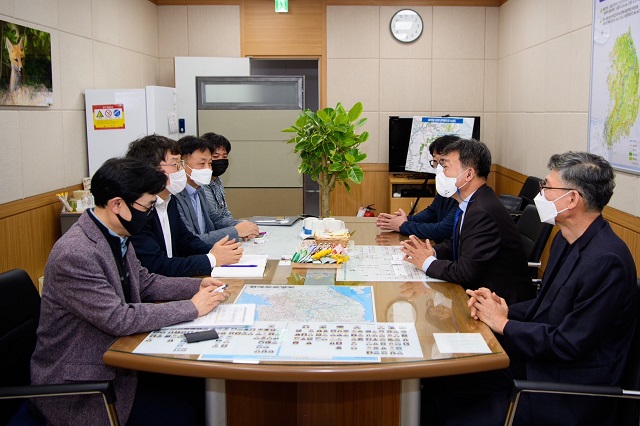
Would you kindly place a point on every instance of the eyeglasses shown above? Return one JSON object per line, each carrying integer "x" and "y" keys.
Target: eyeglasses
{"x": 543, "y": 185}
{"x": 433, "y": 163}
{"x": 148, "y": 209}
{"x": 179, "y": 165}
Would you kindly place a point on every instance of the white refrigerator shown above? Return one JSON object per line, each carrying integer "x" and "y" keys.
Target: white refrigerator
{"x": 117, "y": 117}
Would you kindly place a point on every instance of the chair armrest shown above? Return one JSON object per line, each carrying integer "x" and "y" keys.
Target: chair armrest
{"x": 566, "y": 388}
{"x": 105, "y": 388}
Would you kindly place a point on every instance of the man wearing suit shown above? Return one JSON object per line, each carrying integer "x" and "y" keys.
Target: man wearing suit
{"x": 486, "y": 248}
{"x": 579, "y": 328}
{"x": 436, "y": 221}
{"x": 192, "y": 203}
{"x": 165, "y": 246}
{"x": 95, "y": 290}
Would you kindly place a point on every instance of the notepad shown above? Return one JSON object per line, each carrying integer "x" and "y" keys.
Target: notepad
{"x": 250, "y": 266}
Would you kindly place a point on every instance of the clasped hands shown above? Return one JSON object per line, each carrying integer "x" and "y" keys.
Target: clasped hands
{"x": 488, "y": 307}
{"x": 391, "y": 222}
{"x": 416, "y": 251}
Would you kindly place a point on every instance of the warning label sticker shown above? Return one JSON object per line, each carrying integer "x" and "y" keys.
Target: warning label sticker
{"x": 108, "y": 117}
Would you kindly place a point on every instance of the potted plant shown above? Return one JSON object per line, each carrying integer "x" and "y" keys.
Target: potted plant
{"x": 328, "y": 146}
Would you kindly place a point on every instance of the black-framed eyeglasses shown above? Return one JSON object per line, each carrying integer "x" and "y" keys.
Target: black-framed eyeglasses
{"x": 179, "y": 165}
{"x": 543, "y": 185}
{"x": 147, "y": 209}
{"x": 434, "y": 163}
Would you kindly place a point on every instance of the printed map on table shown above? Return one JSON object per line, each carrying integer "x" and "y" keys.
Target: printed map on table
{"x": 342, "y": 304}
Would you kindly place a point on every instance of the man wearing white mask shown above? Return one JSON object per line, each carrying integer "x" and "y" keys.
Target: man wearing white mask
{"x": 436, "y": 221}
{"x": 165, "y": 246}
{"x": 485, "y": 249}
{"x": 192, "y": 203}
{"x": 580, "y": 327}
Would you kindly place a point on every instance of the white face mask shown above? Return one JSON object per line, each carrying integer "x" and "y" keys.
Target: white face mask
{"x": 547, "y": 209}
{"x": 177, "y": 182}
{"x": 201, "y": 177}
{"x": 446, "y": 186}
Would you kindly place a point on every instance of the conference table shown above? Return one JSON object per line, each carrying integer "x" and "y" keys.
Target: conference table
{"x": 332, "y": 393}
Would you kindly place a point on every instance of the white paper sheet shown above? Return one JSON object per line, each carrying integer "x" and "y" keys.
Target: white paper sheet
{"x": 223, "y": 316}
{"x": 250, "y": 266}
{"x": 461, "y": 343}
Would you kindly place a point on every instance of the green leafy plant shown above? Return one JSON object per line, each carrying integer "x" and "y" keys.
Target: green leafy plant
{"x": 328, "y": 146}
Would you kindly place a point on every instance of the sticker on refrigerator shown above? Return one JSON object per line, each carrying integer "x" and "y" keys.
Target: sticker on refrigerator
{"x": 108, "y": 117}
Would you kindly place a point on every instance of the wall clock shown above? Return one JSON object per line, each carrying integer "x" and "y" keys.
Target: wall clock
{"x": 406, "y": 25}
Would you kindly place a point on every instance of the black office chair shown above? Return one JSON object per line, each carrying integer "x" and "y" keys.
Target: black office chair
{"x": 515, "y": 204}
{"x": 19, "y": 316}
{"x": 534, "y": 235}
{"x": 628, "y": 391}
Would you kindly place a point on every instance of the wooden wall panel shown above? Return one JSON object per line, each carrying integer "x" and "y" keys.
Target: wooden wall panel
{"x": 296, "y": 33}
{"x": 373, "y": 190}
{"x": 28, "y": 230}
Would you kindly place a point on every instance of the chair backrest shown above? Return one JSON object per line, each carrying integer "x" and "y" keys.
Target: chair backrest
{"x": 534, "y": 234}
{"x": 630, "y": 409}
{"x": 513, "y": 203}
{"x": 530, "y": 188}
{"x": 19, "y": 316}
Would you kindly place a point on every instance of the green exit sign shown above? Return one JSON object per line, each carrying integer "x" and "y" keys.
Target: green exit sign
{"x": 282, "y": 6}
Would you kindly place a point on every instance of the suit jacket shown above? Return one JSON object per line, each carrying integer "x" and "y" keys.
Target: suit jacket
{"x": 490, "y": 252}
{"x": 578, "y": 330}
{"x": 189, "y": 253}
{"x": 435, "y": 222}
{"x": 211, "y": 234}
{"x": 83, "y": 310}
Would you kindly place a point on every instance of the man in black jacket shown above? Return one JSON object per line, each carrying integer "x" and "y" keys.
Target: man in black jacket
{"x": 165, "y": 246}
{"x": 436, "y": 221}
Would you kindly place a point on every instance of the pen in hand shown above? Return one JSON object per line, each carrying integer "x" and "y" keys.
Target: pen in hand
{"x": 222, "y": 288}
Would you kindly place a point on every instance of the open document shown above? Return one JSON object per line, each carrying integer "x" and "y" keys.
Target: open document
{"x": 223, "y": 316}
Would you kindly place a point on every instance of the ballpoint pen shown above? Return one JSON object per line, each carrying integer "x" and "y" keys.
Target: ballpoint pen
{"x": 239, "y": 266}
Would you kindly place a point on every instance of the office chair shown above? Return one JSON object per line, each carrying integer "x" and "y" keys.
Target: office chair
{"x": 515, "y": 204}
{"x": 628, "y": 391}
{"x": 534, "y": 235}
{"x": 19, "y": 317}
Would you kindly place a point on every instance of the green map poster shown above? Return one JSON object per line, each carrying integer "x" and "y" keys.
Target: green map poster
{"x": 614, "y": 127}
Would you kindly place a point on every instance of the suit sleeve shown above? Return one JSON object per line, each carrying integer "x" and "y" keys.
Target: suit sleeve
{"x": 209, "y": 238}
{"x": 426, "y": 225}
{"x": 481, "y": 241}
{"x": 592, "y": 308}
{"x": 83, "y": 282}
{"x": 155, "y": 259}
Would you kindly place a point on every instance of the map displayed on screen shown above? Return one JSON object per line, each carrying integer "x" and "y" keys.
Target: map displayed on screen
{"x": 425, "y": 130}
{"x": 614, "y": 128}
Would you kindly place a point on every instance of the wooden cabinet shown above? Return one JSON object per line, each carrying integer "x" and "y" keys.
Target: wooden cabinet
{"x": 401, "y": 190}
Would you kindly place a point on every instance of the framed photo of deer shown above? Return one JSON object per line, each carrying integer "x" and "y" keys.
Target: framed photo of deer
{"x": 25, "y": 66}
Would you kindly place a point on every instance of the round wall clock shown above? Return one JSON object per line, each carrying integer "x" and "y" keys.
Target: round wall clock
{"x": 406, "y": 25}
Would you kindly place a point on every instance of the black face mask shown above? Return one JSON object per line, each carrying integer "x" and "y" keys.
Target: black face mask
{"x": 138, "y": 220}
{"x": 218, "y": 167}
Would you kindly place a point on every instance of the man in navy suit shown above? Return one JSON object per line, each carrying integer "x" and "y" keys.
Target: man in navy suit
{"x": 436, "y": 221}
{"x": 165, "y": 246}
{"x": 579, "y": 328}
{"x": 486, "y": 248}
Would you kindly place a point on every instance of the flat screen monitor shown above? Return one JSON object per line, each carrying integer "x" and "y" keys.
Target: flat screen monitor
{"x": 399, "y": 135}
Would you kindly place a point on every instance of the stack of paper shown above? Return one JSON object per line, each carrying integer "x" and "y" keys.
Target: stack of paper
{"x": 250, "y": 266}
{"x": 223, "y": 316}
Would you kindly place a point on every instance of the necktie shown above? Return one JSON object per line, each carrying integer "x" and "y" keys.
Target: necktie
{"x": 455, "y": 233}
